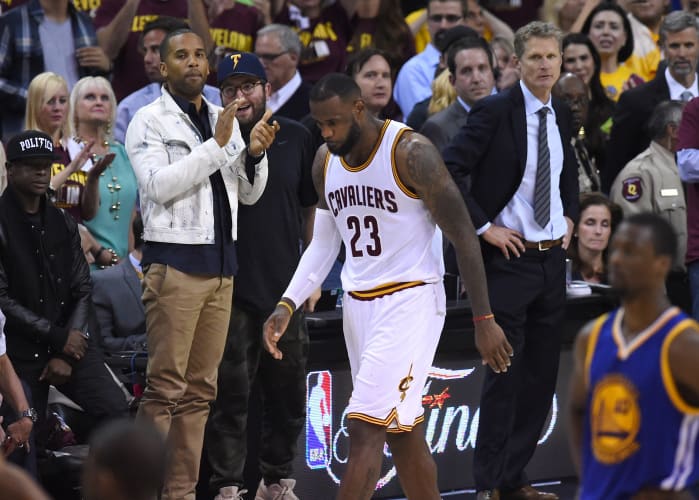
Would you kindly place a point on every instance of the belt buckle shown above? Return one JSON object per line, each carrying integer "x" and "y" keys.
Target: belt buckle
{"x": 543, "y": 248}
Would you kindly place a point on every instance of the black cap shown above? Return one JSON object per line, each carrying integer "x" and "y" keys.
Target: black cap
{"x": 445, "y": 38}
{"x": 240, "y": 63}
{"x": 29, "y": 145}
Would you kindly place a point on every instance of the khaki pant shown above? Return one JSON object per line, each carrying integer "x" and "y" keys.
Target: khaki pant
{"x": 187, "y": 322}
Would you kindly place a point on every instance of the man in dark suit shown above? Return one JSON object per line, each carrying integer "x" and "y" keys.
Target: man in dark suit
{"x": 470, "y": 63}
{"x": 116, "y": 294}
{"x": 679, "y": 40}
{"x": 279, "y": 48}
{"x": 518, "y": 175}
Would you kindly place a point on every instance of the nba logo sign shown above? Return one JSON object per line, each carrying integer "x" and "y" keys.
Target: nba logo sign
{"x": 318, "y": 419}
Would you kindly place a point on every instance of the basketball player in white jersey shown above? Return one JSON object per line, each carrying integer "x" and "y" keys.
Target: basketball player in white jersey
{"x": 382, "y": 189}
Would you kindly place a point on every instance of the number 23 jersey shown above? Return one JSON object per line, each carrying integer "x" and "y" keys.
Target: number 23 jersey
{"x": 387, "y": 230}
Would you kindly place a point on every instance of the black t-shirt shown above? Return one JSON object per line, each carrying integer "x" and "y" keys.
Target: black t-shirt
{"x": 269, "y": 232}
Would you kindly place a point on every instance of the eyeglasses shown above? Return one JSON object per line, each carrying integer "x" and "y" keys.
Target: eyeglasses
{"x": 450, "y": 18}
{"x": 271, "y": 57}
{"x": 231, "y": 91}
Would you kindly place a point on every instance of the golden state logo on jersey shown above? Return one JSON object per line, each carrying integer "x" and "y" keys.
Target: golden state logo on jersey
{"x": 615, "y": 418}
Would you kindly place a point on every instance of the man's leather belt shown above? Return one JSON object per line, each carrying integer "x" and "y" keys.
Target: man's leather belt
{"x": 544, "y": 245}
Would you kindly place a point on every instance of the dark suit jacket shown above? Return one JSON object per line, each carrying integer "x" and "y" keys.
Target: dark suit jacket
{"x": 297, "y": 105}
{"x": 487, "y": 157}
{"x": 441, "y": 127}
{"x": 116, "y": 294}
{"x": 629, "y": 135}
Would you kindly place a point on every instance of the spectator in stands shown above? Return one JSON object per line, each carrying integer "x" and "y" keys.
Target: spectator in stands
{"x": 324, "y": 30}
{"x": 679, "y": 40}
{"x": 644, "y": 19}
{"x": 126, "y": 462}
{"x": 47, "y": 111}
{"x": 380, "y": 24}
{"x": 46, "y": 289}
{"x": 651, "y": 183}
{"x": 581, "y": 58}
{"x": 269, "y": 233}
{"x": 691, "y": 6}
{"x": 471, "y": 73}
{"x": 506, "y": 73}
{"x": 440, "y": 87}
{"x": 119, "y": 25}
{"x": 485, "y": 23}
{"x": 233, "y": 27}
{"x": 43, "y": 35}
{"x": 201, "y": 166}
{"x": 610, "y": 32}
{"x": 15, "y": 413}
{"x": 150, "y": 40}
{"x": 116, "y": 294}
{"x": 414, "y": 80}
{"x": 371, "y": 69}
{"x": 92, "y": 114}
{"x": 588, "y": 246}
{"x": 573, "y": 91}
{"x": 279, "y": 48}
{"x": 688, "y": 166}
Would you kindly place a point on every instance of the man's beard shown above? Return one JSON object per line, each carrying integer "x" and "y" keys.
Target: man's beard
{"x": 350, "y": 142}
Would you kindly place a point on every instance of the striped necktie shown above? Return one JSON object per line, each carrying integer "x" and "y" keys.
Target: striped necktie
{"x": 542, "y": 189}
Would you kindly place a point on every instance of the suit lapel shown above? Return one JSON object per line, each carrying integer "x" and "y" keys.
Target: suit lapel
{"x": 131, "y": 278}
{"x": 518, "y": 120}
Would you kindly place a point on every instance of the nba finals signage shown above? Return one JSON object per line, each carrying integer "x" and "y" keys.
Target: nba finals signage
{"x": 450, "y": 400}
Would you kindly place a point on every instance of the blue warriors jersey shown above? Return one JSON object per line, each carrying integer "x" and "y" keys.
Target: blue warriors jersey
{"x": 639, "y": 432}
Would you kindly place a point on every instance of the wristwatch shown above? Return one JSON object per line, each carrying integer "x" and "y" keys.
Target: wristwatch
{"x": 31, "y": 413}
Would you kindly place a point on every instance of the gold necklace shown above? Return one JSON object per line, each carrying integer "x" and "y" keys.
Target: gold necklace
{"x": 114, "y": 187}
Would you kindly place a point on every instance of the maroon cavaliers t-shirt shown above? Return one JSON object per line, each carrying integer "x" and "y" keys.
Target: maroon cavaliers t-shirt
{"x": 233, "y": 30}
{"x": 324, "y": 41}
{"x": 363, "y": 30}
{"x": 129, "y": 75}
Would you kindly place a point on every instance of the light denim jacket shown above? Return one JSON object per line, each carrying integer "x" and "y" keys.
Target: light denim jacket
{"x": 173, "y": 166}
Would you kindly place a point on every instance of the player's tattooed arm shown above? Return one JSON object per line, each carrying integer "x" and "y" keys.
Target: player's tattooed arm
{"x": 318, "y": 173}
{"x": 422, "y": 170}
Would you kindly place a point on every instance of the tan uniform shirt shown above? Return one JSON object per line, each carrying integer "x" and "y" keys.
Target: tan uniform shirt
{"x": 651, "y": 183}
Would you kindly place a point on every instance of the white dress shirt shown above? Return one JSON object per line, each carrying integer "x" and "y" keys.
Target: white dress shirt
{"x": 518, "y": 214}
{"x": 277, "y": 99}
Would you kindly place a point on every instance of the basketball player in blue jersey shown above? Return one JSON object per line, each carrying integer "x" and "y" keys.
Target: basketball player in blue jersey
{"x": 634, "y": 398}
{"x": 382, "y": 189}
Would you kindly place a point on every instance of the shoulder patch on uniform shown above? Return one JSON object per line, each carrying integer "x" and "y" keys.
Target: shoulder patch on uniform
{"x": 631, "y": 189}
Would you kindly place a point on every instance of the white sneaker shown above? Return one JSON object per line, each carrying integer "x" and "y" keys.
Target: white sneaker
{"x": 230, "y": 493}
{"x": 282, "y": 491}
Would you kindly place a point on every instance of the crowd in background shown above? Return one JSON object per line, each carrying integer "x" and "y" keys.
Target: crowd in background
{"x": 79, "y": 72}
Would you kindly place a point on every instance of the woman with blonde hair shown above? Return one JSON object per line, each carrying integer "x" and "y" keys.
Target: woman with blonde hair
{"x": 110, "y": 176}
{"x": 47, "y": 111}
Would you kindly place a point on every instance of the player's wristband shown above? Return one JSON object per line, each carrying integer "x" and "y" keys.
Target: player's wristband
{"x": 282, "y": 303}
{"x": 477, "y": 319}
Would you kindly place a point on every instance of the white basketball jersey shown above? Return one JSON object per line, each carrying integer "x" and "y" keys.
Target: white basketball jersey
{"x": 387, "y": 230}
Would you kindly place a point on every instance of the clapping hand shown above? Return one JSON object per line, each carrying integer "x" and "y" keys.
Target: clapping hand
{"x": 262, "y": 134}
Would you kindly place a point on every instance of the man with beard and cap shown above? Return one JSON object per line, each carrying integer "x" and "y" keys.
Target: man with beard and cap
{"x": 374, "y": 179}
{"x": 269, "y": 236}
{"x": 634, "y": 391}
{"x": 193, "y": 167}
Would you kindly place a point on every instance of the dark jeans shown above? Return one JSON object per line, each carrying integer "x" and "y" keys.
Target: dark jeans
{"x": 527, "y": 295}
{"x": 283, "y": 391}
{"x": 90, "y": 385}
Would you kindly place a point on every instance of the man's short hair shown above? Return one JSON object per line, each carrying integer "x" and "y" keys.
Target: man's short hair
{"x": 134, "y": 453}
{"x": 535, "y": 29}
{"x": 165, "y": 45}
{"x": 467, "y": 44}
{"x": 464, "y": 5}
{"x": 335, "y": 84}
{"x": 675, "y": 22}
{"x": 664, "y": 114}
{"x": 168, "y": 24}
{"x": 288, "y": 38}
{"x": 663, "y": 236}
